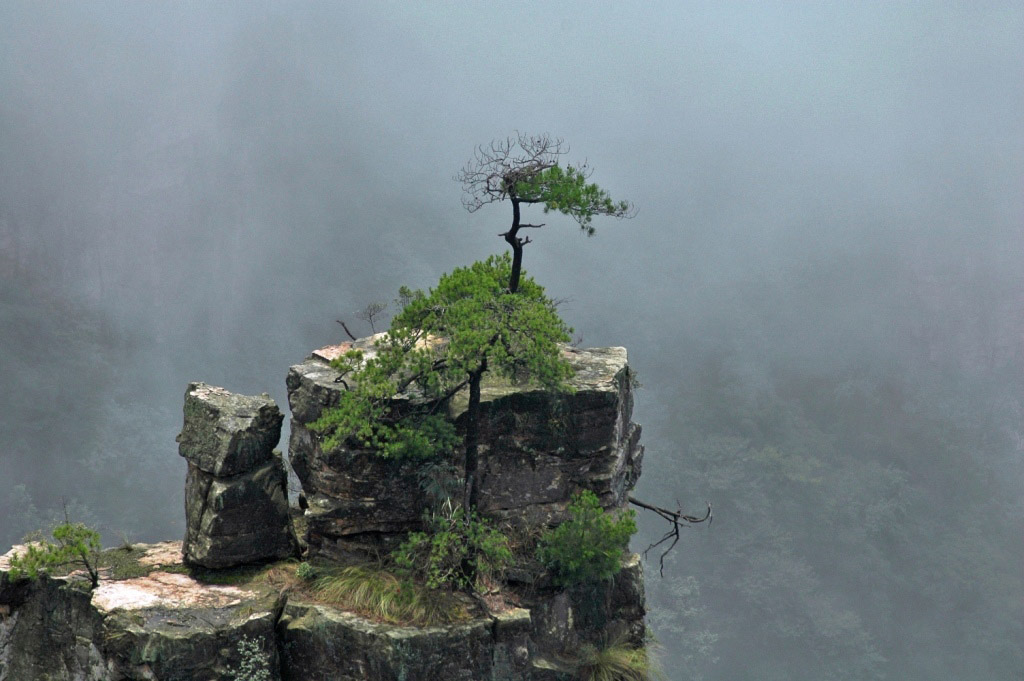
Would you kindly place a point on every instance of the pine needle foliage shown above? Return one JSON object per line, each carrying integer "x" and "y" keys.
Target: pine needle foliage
{"x": 468, "y": 321}
{"x": 528, "y": 169}
{"x": 589, "y": 545}
{"x": 75, "y": 545}
{"x": 455, "y": 552}
{"x": 566, "y": 190}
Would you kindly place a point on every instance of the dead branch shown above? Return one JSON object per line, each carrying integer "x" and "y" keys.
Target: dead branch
{"x": 677, "y": 520}
{"x": 346, "y": 329}
{"x": 370, "y": 313}
{"x": 495, "y": 169}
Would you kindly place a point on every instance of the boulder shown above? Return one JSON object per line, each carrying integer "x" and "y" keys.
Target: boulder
{"x": 238, "y": 520}
{"x": 226, "y": 434}
{"x": 236, "y": 500}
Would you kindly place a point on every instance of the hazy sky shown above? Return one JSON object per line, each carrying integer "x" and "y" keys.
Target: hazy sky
{"x": 311, "y": 147}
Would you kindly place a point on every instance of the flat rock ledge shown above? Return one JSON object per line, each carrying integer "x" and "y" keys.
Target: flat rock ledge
{"x": 167, "y": 626}
{"x": 163, "y": 625}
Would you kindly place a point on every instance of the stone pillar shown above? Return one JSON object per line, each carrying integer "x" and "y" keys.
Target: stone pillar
{"x": 537, "y": 449}
{"x": 236, "y": 500}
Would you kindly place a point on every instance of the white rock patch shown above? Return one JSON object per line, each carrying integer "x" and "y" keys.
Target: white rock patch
{"x": 165, "y": 590}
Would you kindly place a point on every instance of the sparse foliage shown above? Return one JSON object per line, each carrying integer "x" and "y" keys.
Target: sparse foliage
{"x": 254, "y": 664}
{"x": 455, "y": 551}
{"x": 527, "y": 169}
{"x": 589, "y": 545}
{"x": 74, "y": 545}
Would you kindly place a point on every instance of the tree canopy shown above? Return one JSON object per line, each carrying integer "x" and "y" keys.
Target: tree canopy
{"x": 527, "y": 170}
{"x": 441, "y": 342}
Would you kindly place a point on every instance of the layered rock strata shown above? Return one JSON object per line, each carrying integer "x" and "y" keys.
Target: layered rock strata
{"x": 159, "y": 620}
{"x": 236, "y": 501}
{"x": 537, "y": 448}
{"x": 166, "y": 625}
{"x": 161, "y": 625}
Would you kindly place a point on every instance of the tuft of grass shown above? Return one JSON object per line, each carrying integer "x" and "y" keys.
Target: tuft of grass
{"x": 618, "y": 661}
{"x": 126, "y": 543}
{"x": 378, "y": 594}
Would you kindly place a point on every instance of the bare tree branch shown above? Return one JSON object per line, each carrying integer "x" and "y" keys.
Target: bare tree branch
{"x": 346, "y": 329}
{"x": 676, "y": 519}
{"x": 370, "y": 313}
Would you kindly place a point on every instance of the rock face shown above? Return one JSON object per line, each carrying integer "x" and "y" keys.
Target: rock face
{"x": 323, "y": 643}
{"x": 165, "y": 625}
{"x": 536, "y": 450}
{"x": 236, "y": 501}
{"x": 157, "y": 621}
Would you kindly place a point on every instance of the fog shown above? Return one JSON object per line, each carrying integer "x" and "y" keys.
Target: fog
{"x": 821, "y": 291}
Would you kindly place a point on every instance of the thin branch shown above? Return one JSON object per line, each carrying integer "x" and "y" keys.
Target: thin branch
{"x": 346, "y": 329}
{"x": 677, "y": 520}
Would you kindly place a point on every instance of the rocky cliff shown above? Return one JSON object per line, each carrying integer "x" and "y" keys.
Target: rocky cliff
{"x": 230, "y": 598}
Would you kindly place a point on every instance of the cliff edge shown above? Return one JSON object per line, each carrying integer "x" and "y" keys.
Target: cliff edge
{"x": 211, "y": 610}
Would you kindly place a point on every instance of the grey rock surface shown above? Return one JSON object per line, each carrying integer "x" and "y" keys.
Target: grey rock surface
{"x": 225, "y": 434}
{"x": 238, "y": 520}
{"x": 167, "y": 625}
{"x": 536, "y": 449}
{"x": 236, "y": 499}
{"x": 324, "y": 643}
{"x": 163, "y": 625}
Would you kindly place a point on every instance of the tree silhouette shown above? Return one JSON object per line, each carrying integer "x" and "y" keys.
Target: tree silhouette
{"x": 526, "y": 170}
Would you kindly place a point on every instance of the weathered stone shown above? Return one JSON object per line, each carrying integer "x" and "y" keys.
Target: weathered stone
{"x": 226, "y": 434}
{"x": 167, "y": 625}
{"x": 162, "y": 625}
{"x": 594, "y": 613}
{"x": 536, "y": 449}
{"x": 323, "y": 643}
{"x": 356, "y": 489}
{"x": 49, "y": 631}
{"x": 238, "y": 520}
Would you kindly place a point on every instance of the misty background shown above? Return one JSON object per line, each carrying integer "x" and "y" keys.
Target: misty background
{"x": 822, "y": 292}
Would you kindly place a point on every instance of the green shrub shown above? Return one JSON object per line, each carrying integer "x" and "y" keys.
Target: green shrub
{"x": 255, "y": 664}
{"x": 589, "y": 545}
{"x": 76, "y": 546}
{"x": 454, "y": 552}
{"x": 305, "y": 572}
